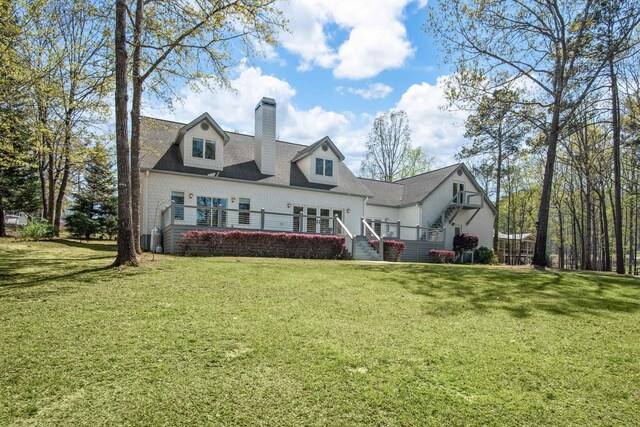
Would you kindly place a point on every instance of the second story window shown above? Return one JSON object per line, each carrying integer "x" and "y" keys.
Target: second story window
{"x": 324, "y": 167}
{"x": 328, "y": 167}
{"x": 196, "y": 147}
{"x": 203, "y": 149}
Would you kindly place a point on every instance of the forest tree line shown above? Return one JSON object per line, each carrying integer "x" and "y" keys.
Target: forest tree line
{"x": 553, "y": 93}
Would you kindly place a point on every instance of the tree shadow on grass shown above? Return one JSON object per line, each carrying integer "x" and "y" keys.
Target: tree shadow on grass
{"x": 22, "y": 268}
{"x": 451, "y": 290}
{"x": 107, "y": 246}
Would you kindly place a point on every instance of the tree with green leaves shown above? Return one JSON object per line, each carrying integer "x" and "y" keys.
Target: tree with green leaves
{"x": 193, "y": 41}
{"x": 389, "y": 155}
{"x": 94, "y": 210}
{"x": 68, "y": 48}
{"x": 548, "y": 44}
{"x": 497, "y": 130}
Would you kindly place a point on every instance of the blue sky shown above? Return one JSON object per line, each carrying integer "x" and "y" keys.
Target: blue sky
{"x": 343, "y": 63}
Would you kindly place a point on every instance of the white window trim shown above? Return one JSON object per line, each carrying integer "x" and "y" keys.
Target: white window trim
{"x": 184, "y": 212}
{"x": 324, "y": 167}
{"x": 204, "y": 148}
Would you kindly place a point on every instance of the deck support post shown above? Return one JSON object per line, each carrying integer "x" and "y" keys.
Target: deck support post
{"x": 262, "y": 212}
{"x": 398, "y": 235}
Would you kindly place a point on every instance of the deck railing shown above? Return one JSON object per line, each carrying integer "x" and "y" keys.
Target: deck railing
{"x": 222, "y": 217}
{"x": 395, "y": 230}
{"x": 373, "y": 237}
{"x": 350, "y": 241}
{"x": 467, "y": 198}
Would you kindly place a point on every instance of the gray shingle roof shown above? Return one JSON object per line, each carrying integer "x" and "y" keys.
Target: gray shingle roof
{"x": 159, "y": 152}
{"x": 407, "y": 191}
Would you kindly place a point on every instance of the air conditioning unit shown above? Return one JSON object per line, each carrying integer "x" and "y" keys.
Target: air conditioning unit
{"x": 156, "y": 241}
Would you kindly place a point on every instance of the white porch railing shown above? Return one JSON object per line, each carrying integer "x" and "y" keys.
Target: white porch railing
{"x": 371, "y": 235}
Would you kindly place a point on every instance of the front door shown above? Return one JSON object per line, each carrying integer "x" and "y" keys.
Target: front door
{"x": 458, "y": 192}
{"x": 312, "y": 221}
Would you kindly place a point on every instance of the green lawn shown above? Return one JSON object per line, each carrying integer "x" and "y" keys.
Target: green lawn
{"x": 226, "y": 341}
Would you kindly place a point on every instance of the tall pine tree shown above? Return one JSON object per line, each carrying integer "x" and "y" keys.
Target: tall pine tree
{"x": 95, "y": 206}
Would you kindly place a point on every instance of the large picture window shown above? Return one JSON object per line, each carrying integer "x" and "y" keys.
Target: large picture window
{"x": 177, "y": 198}
{"x": 244, "y": 205}
{"x": 206, "y": 214}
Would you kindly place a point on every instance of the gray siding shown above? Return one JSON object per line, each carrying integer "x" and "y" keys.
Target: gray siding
{"x": 417, "y": 251}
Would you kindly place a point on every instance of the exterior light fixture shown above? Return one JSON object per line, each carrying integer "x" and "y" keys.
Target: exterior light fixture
{"x": 191, "y": 195}
{"x": 288, "y": 205}
{"x": 348, "y": 210}
{"x": 233, "y": 200}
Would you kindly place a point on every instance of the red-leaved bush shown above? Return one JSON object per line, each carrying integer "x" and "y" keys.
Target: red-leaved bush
{"x": 441, "y": 256}
{"x": 261, "y": 244}
{"x": 392, "y": 249}
{"x": 465, "y": 242}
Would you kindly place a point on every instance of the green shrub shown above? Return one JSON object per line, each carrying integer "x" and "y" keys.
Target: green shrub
{"x": 37, "y": 230}
{"x": 484, "y": 255}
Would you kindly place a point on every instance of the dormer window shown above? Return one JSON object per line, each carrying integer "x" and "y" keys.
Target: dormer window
{"x": 324, "y": 167}
{"x": 203, "y": 149}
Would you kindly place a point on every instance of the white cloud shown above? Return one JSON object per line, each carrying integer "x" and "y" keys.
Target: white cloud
{"x": 377, "y": 38}
{"x": 373, "y": 91}
{"x": 235, "y": 110}
{"x": 438, "y": 131}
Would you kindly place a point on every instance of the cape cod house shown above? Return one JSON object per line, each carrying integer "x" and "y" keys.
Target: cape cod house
{"x": 199, "y": 176}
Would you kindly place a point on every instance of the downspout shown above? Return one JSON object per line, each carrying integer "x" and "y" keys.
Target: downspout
{"x": 364, "y": 205}
{"x": 145, "y": 210}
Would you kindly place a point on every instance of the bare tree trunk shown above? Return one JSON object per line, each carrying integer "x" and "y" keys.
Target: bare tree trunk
{"x": 126, "y": 249}
{"x": 135, "y": 126}
{"x": 3, "y": 231}
{"x": 617, "y": 182}
{"x": 605, "y": 226}
{"x": 60, "y": 199}
{"x": 561, "y": 231}
{"x": 587, "y": 263}
{"x": 51, "y": 185}
{"x": 540, "y": 254}
{"x": 43, "y": 185}
{"x": 496, "y": 221}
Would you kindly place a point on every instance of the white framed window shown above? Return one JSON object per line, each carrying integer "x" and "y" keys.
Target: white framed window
{"x": 177, "y": 198}
{"x": 324, "y": 167}
{"x": 203, "y": 149}
{"x": 244, "y": 204}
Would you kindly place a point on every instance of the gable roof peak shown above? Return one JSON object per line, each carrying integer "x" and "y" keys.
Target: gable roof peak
{"x": 203, "y": 117}
{"x": 313, "y": 147}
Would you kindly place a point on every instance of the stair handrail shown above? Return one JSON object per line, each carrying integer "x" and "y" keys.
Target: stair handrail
{"x": 380, "y": 248}
{"x": 344, "y": 227}
{"x": 348, "y": 233}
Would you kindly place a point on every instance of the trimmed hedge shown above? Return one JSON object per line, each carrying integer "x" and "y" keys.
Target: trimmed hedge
{"x": 261, "y": 244}
{"x": 441, "y": 256}
{"x": 392, "y": 249}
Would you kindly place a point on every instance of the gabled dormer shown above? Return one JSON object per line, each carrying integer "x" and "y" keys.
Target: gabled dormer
{"x": 319, "y": 162}
{"x": 202, "y": 143}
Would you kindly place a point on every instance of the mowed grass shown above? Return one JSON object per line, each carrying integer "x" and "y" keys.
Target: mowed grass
{"x": 241, "y": 341}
